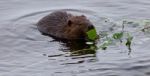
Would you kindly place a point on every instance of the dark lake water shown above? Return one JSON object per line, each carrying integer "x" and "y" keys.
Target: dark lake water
{"x": 25, "y": 52}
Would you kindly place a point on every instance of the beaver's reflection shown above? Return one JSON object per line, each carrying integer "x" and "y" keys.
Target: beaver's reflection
{"x": 79, "y": 47}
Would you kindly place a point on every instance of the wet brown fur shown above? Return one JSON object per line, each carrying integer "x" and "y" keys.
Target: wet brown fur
{"x": 64, "y": 25}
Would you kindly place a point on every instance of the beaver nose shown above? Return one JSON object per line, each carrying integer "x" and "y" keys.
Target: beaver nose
{"x": 90, "y": 27}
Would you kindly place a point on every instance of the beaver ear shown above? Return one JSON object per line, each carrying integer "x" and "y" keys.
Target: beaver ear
{"x": 83, "y": 16}
{"x": 69, "y": 22}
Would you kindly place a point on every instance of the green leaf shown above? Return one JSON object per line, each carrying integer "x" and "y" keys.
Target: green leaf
{"x": 93, "y": 47}
{"x": 118, "y": 35}
{"x": 92, "y": 34}
{"x": 106, "y": 44}
{"x": 129, "y": 40}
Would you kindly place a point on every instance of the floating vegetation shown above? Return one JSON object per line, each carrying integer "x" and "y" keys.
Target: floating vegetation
{"x": 106, "y": 44}
{"x": 108, "y": 39}
{"x": 129, "y": 40}
{"x": 145, "y": 25}
{"x": 122, "y": 37}
{"x": 118, "y": 35}
{"x": 146, "y": 28}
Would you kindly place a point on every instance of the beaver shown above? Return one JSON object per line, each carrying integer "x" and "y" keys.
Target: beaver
{"x": 64, "y": 25}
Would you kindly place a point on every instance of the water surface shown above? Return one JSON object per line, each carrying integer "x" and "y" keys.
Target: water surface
{"x": 25, "y": 52}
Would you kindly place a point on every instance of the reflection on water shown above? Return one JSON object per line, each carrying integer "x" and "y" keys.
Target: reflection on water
{"x": 77, "y": 47}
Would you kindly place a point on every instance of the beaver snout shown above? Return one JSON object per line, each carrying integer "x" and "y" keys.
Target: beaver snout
{"x": 90, "y": 27}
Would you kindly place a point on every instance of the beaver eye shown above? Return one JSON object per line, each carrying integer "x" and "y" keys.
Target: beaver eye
{"x": 80, "y": 24}
{"x": 69, "y": 22}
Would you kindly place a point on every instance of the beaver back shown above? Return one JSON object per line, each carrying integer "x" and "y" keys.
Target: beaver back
{"x": 53, "y": 23}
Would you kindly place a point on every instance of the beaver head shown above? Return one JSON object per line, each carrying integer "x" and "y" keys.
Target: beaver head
{"x": 76, "y": 27}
